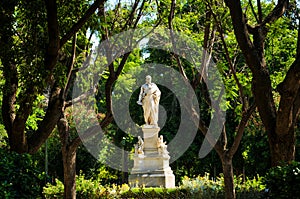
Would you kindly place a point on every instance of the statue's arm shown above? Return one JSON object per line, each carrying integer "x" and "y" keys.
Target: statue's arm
{"x": 157, "y": 92}
{"x": 140, "y": 96}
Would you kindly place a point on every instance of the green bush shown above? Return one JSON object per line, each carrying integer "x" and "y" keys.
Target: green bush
{"x": 85, "y": 188}
{"x": 200, "y": 187}
{"x": 284, "y": 181}
{"x": 162, "y": 193}
{"x": 18, "y": 176}
{"x": 205, "y": 187}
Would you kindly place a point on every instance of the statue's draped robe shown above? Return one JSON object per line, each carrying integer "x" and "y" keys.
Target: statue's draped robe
{"x": 151, "y": 103}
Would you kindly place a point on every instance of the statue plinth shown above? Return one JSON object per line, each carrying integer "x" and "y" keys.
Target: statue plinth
{"x": 150, "y": 136}
{"x": 151, "y": 168}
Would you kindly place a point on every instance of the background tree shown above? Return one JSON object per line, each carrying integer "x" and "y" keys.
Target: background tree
{"x": 31, "y": 38}
{"x": 279, "y": 121}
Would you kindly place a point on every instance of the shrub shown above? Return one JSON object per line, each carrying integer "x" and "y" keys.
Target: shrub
{"x": 200, "y": 187}
{"x": 284, "y": 181}
{"x": 85, "y": 188}
{"x": 205, "y": 187}
{"x": 158, "y": 193}
{"x": 18, "y": 176}
{"x": 251, "y": 188}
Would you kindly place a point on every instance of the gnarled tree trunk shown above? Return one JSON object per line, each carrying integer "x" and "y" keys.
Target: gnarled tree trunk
{"x": 282, "y": 148}
{"x": 279, "y": 122}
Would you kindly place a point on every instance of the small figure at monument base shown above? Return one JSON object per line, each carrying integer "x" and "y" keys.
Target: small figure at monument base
{"x": 139, "y": 146}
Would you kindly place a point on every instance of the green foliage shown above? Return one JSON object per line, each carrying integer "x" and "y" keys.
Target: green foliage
{"x": 205, "y": 187}
{"x": 37, "y": 113}
{"x": 254, "y": 148}
{"x": 85, "y": 188}
{"x": 18, "y": 176}
{"x": 156, "y": 193}
{"x": 281, "y": 46}
{"x": 85, "y": 162}
{"x": 251, "y": 188}
{"x": 3, "y": 137}
{"x": 200, "y": 187}
{"x": 284, "y": 181}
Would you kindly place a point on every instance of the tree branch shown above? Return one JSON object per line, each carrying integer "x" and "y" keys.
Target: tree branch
{"x": 7, "y": 57}
{"x": 170, "y": 19}
{"x": 79, "y": 98}
{"x": 232, "y": 68}
{"x": 203, "y": 128}
{"x": 26, "y": 99}
{"x": 116, "y": 13}
{"x": 85, "y": 64}
{"x": 139, "y": 14}
{"x": 77, "y": 26}
{"x": 195, "y": 117}
{"x": 209, "y": 37}
{"x": 241, "y": 128}
{"x": 298, "y": 39}
{"x": 88, "y": 134}
{"x": 45, "y": 128}
{"x": 53, "y": 34}
{"x": 253, "y": 11}
{"x": 276, "y": 13}
{"x": 260, "y": 15}
{"x": 240, "y": 27}
{"x": 131, "y": 16}
{"x": 70, "y": 67}
{"x": 288, "y": 90}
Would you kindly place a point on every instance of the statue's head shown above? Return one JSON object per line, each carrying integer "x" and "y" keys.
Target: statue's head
{"x": 148, "y": 79}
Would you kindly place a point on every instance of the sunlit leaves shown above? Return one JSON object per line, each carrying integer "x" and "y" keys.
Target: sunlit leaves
{"x": 281, "y": 45}
{"x": 37, "y": 114}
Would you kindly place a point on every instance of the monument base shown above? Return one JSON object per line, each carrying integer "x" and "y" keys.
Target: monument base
{"x": 153, "y": 179}
{"x": 151, "y": 168}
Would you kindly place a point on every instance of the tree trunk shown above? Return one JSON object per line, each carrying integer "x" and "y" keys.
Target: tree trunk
{"x": 282, "y": 148}
{"x": 69, "y": 160}
{"x": 18, "y": 142}
{"x": 69, "y": 163}
{"x": 228, "y": 177}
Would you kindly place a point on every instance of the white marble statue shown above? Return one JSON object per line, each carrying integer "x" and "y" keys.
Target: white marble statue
{"x": 149, "y": 98}
{"x": 139, "y": 147}
{"x": 161, "y": 145}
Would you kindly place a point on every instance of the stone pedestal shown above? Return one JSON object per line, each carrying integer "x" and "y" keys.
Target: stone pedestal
{"x": 151, "y": 168}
